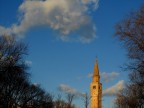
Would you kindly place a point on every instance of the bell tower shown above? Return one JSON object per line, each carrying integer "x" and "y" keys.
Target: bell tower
{"x": 96, "y": 89}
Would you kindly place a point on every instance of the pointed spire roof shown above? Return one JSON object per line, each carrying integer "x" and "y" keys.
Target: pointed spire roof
{"x": 96, "y": 69}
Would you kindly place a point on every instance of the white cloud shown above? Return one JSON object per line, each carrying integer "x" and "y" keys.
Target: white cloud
{"x": 67, "y": 89}
{"x": 90, "y": 75}
{"x": 79, "y": 77}
{"x": 94, "y": 3}
{"x": 64, "y": 16}
{"x": 109, "y": 76}
{"x": 28, "y": 62}
{"x": 106, "y": 76}
{"x": 114, "y": 89}
{"x": 36, "y": 84}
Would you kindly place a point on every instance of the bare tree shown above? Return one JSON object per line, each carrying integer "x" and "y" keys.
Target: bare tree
{"x": 86, "y": 99}
{"x": 127, "y": 97}
{"x": 15, "y": 88}
{"x": 47, "y": 101}
{"x": 131, "y": 33}
{"x": 12, "y": 69}
{"x": 70, "y": 97}
{"x": 58, "y": 102}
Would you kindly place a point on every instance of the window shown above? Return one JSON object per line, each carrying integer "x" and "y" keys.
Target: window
{"x": 94, "y": 87}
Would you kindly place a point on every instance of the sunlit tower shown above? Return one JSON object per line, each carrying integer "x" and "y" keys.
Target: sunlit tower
{"x": 96, "y": 89}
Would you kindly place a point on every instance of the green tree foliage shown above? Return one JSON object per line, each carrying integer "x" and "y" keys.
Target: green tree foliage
{"x": 131, "y": 33}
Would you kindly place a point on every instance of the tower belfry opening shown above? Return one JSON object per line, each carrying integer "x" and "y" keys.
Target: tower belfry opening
{"x": 96, "y": 89}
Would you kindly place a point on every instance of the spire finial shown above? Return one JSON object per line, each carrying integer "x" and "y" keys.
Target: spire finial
{"x": 96, "y": 59}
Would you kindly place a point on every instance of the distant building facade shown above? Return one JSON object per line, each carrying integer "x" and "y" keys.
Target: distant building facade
{"x": 96, "y": 89}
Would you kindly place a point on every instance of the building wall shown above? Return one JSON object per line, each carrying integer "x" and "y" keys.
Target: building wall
{"x": 96, "y": 95}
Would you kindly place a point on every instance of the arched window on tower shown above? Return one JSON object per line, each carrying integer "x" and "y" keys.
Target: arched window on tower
{"x": 94, "y": 87}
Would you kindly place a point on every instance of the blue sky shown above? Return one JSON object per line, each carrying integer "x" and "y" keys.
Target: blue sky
{"x": 64, "y": 53}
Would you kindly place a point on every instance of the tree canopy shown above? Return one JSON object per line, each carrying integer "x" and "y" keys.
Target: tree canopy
{"x": 130, "y": 32}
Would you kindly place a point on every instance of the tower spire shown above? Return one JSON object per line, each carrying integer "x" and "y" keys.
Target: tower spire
{"x": 96, "y": 88}
{"x": 96, "y": 69}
